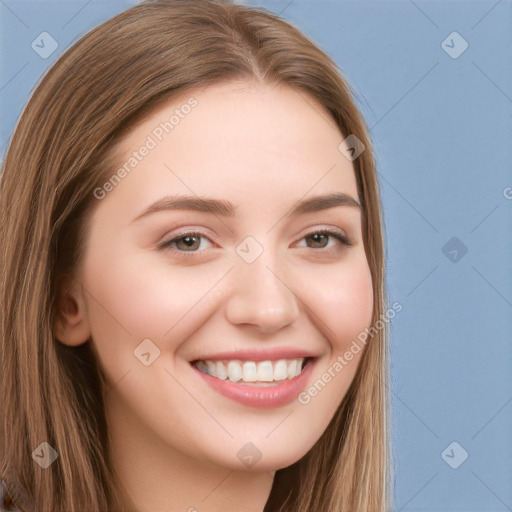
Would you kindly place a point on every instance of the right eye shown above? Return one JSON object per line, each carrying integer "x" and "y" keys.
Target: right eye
{"x": 187, "y": 242}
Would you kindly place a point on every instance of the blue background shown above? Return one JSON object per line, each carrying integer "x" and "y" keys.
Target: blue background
{"x": 442, "y": 129}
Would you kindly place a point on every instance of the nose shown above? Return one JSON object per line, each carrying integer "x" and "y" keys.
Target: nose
{"x": 261, "y": 296}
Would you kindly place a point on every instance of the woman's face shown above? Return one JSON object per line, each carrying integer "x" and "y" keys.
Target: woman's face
{"x": 255, "y": 282}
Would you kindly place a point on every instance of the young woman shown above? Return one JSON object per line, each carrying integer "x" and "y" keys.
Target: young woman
{"x": 192, "y": 275}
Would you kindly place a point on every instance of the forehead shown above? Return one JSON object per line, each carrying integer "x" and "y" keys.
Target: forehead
{"x": 240, "y": 139}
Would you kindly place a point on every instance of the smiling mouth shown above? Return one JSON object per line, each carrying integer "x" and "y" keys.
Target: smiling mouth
{"x": 254, "y": 373}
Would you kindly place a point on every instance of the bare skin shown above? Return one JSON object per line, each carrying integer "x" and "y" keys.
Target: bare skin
{"x": 263, "y": 149}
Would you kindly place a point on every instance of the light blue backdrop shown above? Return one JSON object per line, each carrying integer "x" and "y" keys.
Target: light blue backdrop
{"x": 441, "y": 119}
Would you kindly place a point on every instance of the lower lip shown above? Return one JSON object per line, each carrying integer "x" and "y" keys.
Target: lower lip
{"x": 264, "y": 397}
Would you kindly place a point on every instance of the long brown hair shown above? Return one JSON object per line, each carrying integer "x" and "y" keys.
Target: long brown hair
{"x": 61, "y": 151}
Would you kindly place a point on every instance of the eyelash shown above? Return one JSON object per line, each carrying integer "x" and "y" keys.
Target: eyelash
{"x": 166, "y": 244}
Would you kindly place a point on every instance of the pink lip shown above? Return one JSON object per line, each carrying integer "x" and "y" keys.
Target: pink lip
{"x": 258, "y": 354}
{"x": 262, "y": 397}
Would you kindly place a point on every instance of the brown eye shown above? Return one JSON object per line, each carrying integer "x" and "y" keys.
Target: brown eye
{"x": 189, "y": 242}
{"x": 320, "y": 239}
{"x": 185, "y": 242}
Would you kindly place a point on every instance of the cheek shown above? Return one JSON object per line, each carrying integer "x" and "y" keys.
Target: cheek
{"x": 149, "y": 300}
{"x": 132, "y": 301}
{"x": 343, "y": 309}
{"x": 343, "y": 301}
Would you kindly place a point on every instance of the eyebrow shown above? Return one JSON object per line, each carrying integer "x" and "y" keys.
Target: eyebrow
{"x": 224, "y": 208}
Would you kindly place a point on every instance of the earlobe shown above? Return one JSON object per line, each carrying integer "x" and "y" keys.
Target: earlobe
{"x": 71, "y": 325}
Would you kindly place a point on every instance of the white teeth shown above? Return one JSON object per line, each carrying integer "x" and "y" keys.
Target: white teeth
{"x": 220, "y": 371}
{"x": 290, "y": 372}
{"x": 251, "y": 371}
{"x": 265, "y": 371}
{"x": 280, "y": 370}
{"x": 234, "y": 371}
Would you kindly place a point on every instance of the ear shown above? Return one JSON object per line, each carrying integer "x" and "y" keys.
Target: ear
{"x": 71, "y": 324}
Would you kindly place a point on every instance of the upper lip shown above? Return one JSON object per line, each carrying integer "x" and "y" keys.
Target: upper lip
{"x": 262, "y": 354}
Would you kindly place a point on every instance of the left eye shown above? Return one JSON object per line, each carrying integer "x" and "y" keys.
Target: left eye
{"x": 324, "y": 234}
{"x": 190, "y": 242}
